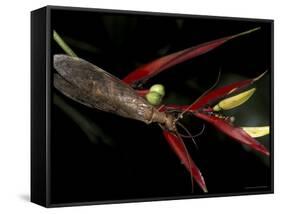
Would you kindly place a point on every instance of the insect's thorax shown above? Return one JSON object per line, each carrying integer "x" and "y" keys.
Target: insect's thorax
{"x": 168, "y": 121}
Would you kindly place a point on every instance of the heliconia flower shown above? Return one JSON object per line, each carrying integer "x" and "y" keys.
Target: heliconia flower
{"x": 210, "y": 114}
{"x": 224, "y": 124}
{"x": 203, "y": 110}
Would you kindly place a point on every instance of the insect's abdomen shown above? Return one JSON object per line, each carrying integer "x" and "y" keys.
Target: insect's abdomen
{"x": 92, "y": 86}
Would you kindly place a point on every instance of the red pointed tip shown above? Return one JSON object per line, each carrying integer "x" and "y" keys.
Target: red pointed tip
{"x": 260, "y": 148}
{"x": 179, "y": 148}
{"x": 263, "y": 150}
{"x": 201, "y": 182}
{"x": 205, "y": 189}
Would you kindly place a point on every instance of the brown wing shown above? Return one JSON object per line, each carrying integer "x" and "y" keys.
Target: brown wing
{"x": 94, "y": 87}
{"x": 69, "y": 90}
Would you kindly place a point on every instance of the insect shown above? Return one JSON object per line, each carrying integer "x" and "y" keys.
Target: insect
{"x": 96, "y": 88}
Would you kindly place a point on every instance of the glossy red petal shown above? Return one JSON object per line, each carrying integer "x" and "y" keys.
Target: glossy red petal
{"x": 151, "y": 69}
{"x": 179, "y": 148}
{"x": 234, "y": 132}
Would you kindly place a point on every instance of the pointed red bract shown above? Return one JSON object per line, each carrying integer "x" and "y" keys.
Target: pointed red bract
{"x": 219, "y": 93}
{"x": 179, "y": 148}
{"x": 234, "y": 132}
{"x": 151, "y": 69}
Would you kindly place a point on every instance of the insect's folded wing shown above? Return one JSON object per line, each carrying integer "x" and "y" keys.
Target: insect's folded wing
{"x": 234, "y": 132}
{"x": 74, "y": 70}
{"x": 179, "y": 148}
{"x": 68, "y": 89}
{"x": 151, "y": 69}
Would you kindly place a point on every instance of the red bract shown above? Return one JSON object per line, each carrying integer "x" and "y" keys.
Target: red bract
{"x": 214, "y": 95}
{"x": 150, "y": 69}
{"x": 234, "y": 132}
{"x": 219, "y": 93}
{"x": 179, "y": 148}
{"x": 201, "y": 107}
{"x": 202, "y": 110}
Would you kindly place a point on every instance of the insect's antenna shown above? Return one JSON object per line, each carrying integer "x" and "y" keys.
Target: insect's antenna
{"x": 207, "y": 91}
{"x": 174, "y": 111}
{"x": 189, "y": 133}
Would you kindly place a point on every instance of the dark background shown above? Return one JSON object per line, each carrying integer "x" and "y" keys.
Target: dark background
{"x": 114, "y": 158}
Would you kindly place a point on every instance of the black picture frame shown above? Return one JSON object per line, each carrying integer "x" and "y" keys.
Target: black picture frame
{"x": 41, "y": 105}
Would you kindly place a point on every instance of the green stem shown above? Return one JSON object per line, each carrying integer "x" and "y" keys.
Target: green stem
{"x": 63, "y": 45}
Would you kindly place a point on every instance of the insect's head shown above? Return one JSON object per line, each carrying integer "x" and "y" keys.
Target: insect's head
{"x": 173, "y": 124}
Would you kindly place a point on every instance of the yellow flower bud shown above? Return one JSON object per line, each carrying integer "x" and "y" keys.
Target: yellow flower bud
{"x": 234, "y": 101}
{"x": 257, "y": 131}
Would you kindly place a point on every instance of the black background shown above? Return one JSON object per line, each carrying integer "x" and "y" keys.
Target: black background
{"x": 133, "y": 160}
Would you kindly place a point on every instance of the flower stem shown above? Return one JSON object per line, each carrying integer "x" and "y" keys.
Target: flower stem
{"x": 63, "y": 45}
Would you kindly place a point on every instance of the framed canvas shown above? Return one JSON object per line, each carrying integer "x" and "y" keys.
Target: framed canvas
{"x": 137, "y": 106}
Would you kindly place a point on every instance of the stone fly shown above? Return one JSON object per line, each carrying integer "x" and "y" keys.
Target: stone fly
{"x": 96, "y": 88}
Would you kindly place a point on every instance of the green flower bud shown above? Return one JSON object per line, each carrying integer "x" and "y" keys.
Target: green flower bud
{"x": 158, "y": 88}
{"x": 154, "y": 98}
